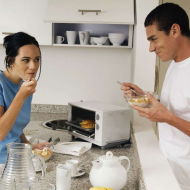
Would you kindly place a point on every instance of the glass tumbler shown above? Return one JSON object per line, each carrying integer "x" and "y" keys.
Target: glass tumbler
{"x": 25, "y": 184}
{"x": 42, "y": 186}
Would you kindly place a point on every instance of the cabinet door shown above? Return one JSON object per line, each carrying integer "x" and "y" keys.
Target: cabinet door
{"x": 112, "y": 11}
{"x": 26, "y": 16}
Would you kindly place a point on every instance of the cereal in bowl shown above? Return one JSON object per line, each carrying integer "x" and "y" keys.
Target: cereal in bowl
{"x": 45, "y": 153}
{"x": 141, "y": 101}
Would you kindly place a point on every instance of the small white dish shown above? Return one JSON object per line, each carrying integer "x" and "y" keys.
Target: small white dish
{"x": 78, "y": 173}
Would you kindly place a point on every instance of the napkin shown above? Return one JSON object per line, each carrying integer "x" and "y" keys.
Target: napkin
{"x": 72, "y": 148}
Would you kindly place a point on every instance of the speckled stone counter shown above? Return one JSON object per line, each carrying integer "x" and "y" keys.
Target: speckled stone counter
{"x": 35, "y": 128}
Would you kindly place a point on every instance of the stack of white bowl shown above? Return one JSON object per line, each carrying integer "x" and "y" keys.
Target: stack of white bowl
{"x": 100, "y": 40}
{"x": 116, "y": 38}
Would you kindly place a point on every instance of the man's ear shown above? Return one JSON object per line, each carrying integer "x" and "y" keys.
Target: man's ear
{"x": 175, "y": 30}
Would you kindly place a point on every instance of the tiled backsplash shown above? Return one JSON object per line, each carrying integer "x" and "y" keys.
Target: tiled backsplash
{"x": 47, "y": 108}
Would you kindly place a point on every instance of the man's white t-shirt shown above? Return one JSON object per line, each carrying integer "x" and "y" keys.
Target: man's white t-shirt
{"x": 175, "y": 97}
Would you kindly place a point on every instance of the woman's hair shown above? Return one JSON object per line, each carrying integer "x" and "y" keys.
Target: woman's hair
{"x": 13, "y": 43}
{"x": 167, "y": 14}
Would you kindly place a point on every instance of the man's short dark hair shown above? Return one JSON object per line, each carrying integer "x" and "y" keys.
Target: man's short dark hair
{"x": 167, "y": 14}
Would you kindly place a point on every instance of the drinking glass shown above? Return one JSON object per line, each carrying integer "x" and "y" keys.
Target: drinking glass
{"x": 42, "y": 185}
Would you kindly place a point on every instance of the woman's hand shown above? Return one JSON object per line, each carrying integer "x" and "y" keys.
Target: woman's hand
{"x": 126, "y": 89}
{"x": 158, "y": 112}
{"x": 40, "y": 146}
{"x": 28, "y": 88}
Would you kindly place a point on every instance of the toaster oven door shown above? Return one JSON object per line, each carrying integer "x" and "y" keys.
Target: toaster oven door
{"x": 77, "y": 115}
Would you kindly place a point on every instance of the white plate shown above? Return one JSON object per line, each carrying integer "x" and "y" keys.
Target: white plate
{"x": 78, "y": 173}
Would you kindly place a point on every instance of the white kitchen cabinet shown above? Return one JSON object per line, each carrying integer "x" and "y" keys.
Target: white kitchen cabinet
{"x": 112, "y": 11}
{"x": 26, "y": 16}
{"x": 99, "y": 17}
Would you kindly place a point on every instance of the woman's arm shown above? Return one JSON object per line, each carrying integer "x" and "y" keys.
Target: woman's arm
{"x": 34, "y": 146}
{"x": 24, "y": 139}
{"x": 8, "y": 118}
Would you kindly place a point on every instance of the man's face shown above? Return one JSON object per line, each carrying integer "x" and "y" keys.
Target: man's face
{"x": 160, "y": 43}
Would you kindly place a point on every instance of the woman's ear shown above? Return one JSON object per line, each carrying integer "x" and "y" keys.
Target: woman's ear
{"x": 9, "y": 61}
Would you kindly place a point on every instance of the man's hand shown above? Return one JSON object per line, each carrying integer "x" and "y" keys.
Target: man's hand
{"x": 126, "y": 89}
{"x": 157, "y": 112}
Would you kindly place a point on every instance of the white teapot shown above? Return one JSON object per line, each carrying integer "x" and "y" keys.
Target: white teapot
{"x": 108, "y": 171}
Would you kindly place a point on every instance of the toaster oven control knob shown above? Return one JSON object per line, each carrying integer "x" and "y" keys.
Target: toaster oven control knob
{"x": 97, "y": 127}
{"x": 97, "y": 117}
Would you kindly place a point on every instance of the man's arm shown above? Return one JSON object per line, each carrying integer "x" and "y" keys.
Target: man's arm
{"x": 159, "y": 113}
{"x": 180, "y": 124}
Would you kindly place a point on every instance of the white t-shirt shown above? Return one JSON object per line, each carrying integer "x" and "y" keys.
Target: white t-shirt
{"x": 175, "y": 97}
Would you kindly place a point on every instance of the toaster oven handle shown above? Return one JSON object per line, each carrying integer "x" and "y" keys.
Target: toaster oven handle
{"x": 81, "y": 134}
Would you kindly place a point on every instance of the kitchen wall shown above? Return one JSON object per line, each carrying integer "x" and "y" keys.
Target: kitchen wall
{"x": 143, "y": 61}
{"x": 74, "y": 74}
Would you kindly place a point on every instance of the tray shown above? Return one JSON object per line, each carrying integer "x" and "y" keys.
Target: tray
{"x": 77, "y": 125}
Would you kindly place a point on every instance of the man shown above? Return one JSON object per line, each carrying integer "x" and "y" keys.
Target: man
{"x": 167, "y": 30}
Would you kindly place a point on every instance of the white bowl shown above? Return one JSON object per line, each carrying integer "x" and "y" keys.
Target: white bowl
{"x": 116, "y": 35}
{"x": 100, "y": 41}
{"x": 142, "y": 100}
{"x": 117, "y": 41}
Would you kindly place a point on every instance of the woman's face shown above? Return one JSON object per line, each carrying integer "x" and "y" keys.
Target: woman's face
{"x": 26, "y": 63}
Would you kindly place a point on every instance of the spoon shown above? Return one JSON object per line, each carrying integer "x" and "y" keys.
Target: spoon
{"x": 130, "y": 89}
{"x": 51, "y": 145}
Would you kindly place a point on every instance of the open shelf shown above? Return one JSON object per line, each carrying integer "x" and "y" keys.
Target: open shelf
{"x": 96, "y": 30}
{"x": 92, "y": 46}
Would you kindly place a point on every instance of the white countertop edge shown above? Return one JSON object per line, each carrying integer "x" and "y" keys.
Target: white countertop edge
{"x": 156, "y": 170}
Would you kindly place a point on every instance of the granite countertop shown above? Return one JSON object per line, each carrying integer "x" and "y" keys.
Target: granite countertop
{"x": 35, "y": 128}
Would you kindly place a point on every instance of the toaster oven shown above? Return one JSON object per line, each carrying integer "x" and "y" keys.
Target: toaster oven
{"x": 112, "y": 123}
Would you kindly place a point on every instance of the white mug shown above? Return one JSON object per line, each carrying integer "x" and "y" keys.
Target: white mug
{"x": 59, "y": 39}
{"x": 84, "y": 37}
{"x": 73, "y": 164}
{"x": 71, "y": 37}
{"x": 63, "y": 177}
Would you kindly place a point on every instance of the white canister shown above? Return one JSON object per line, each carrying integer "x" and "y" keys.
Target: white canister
{"x": 63, "y": 177}
{"x": 71, "y": 37}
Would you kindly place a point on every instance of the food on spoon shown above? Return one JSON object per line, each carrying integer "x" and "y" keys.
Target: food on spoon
{"x": 88, "y": 124}
{"x": 100, "y": 188}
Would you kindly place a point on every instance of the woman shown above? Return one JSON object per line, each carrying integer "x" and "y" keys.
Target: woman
{"x": 17, "y": 85}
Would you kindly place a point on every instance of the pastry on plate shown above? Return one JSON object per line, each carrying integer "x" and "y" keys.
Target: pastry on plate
{"x": 88, "y": 124}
